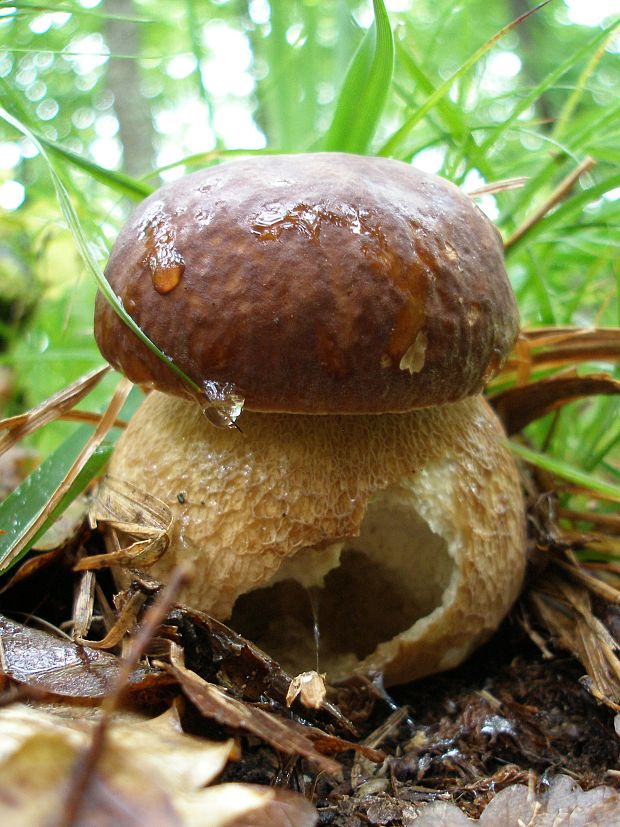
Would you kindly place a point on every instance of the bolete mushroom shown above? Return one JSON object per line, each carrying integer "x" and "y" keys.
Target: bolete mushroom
{"x": 358, "y": 306}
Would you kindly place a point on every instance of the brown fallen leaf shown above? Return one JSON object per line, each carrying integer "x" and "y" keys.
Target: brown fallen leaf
{"x": 58, "y": 666}
{"x": 285, "y": 734}
{"x": 213, "y": 702}
{"x": 239, "y": 663}
{"x": 519, "y": 406}
{"x": 149, "y": 772}
{"x": 247, "y": 805}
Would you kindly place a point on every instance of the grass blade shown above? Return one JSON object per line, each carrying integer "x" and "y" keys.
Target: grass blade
{"x": 571, "y": 104}
{"x": 567, "y": 472}
{"x": 550, "y": 80}
{"x": 365, "y": 88}
{"x": 392, "y": 144}
{"x": 83, "y": 246}
{"x": 117, "y": 181}
{"x": 22, "y": 519}
{"x": 571, "y": 207}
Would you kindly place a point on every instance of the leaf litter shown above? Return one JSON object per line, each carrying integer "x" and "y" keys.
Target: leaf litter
{"x": 517, "y": 733}
{"x": 149, "y": 772}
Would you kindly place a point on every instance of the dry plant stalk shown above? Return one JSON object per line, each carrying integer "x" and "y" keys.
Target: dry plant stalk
{"x": 499, "y": 186}
{"x": 566, "y": 610}
{"x": 55, "y": 407}
{"x": 132, "y": 513}
{"x": 153, "y": 618}
{"x": 556, "y": 347}
{"x": 96, "y": 438}
{"x": 558, "y": 194}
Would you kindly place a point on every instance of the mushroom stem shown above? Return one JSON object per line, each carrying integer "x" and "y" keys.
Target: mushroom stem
{"x": 410, "y": 524}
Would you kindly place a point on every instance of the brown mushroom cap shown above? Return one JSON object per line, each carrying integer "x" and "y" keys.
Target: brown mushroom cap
{"x": 325, "y": 283}
{"x": 411, "y": 525}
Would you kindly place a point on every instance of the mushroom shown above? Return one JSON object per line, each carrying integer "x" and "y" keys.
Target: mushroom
{"x": 358, "y": 306}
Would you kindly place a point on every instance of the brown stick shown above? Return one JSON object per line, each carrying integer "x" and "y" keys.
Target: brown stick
{"x": 153, "y": 618}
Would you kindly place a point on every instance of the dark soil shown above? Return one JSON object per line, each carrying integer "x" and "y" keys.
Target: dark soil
{"x": 506, "y": 716}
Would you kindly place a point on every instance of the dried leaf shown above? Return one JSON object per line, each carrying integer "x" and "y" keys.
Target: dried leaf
{"x": 138, "y": 516}
{"x": 147, "y": 768}
{"x": 519, "y": 406}
{"x": 442, "y": 814}
{"x": 58, "y": 666}
{"x": 309, "y": 687}
{"x": 213, "y": 702}
{"x": 18, "y": 427}
{"x": 563, "y": 804}
{"x": 247, "y": 805}
{"x": 240, "y": 663}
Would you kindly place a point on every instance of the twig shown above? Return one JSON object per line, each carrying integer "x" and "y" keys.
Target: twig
{"x": 153, "y": 618}
{"x": 560, "y": 192}
{"x": 499, "y": 186}
{"x": 604, "y": 520}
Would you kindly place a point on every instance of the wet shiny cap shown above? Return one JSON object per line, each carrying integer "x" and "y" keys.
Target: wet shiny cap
{"x": 324, "y": 283}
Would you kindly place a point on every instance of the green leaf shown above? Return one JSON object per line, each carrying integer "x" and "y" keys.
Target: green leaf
{"x": 365, "y": 89}
{"x": 117, "y": 181}
{"x": 23, "y": 506}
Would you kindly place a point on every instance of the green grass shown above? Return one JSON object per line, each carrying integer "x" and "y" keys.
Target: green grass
{"x": 419, "y": 84}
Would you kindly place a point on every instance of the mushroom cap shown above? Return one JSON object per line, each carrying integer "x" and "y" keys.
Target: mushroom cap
{"x": 411, "y": 527}
{"x": 322, "y": 283}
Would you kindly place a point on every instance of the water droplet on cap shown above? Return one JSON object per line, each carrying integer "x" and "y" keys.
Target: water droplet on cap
{"x": 222, "y": 403}
{"x": 166, "y": 276}
{"x": 162, "y": 256}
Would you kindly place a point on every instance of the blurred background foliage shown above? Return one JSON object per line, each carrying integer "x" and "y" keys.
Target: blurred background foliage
{"x": 127, "y": 93}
